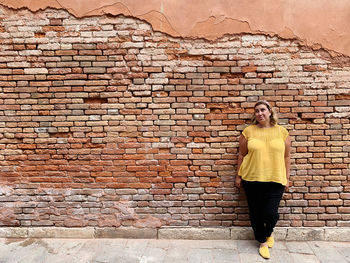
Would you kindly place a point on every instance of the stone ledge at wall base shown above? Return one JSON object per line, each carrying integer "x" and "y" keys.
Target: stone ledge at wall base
{"x": 209, "y": 233}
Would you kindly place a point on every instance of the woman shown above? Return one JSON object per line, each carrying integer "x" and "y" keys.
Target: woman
{"x": 263, "y": 170}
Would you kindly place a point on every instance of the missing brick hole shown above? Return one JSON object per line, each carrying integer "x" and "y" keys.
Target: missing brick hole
{"x": 96, "y": 100}
{"x": 61, "y": 135}
{"x": 94, "y": 145}
{"x": 308, "y": 120}
{"x": 215, "y": 110}
{"x": 39, "y": 34}
{"x": 232, "y": 75}
{"x": 342, "y": 97}
{"x": 187, "y": 57}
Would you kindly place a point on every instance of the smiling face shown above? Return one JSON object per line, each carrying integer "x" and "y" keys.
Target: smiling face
{"x": 262, "y": 114}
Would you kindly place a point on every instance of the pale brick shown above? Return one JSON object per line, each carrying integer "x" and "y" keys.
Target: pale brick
{"x": 35, "y": 71}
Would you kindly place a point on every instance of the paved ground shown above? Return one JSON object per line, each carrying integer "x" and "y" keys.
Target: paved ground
{"x": 163, "y": 250}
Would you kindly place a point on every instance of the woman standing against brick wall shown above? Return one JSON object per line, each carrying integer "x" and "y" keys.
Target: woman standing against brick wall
{"x": 263, "y": 170}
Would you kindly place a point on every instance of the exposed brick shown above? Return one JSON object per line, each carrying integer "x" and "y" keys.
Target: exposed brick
{"x": 107, "y": 127}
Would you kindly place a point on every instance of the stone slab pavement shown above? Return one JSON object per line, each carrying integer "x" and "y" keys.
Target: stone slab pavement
{"x": 52, "y": 250}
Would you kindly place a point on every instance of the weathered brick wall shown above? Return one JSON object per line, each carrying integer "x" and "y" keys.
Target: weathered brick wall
{"x": 104, "y": 122}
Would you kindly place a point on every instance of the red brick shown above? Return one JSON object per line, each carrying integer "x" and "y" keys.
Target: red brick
{"x": 249, "y": 69}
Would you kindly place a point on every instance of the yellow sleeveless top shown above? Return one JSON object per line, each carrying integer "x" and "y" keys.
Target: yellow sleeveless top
{"x": 264, "y": 161}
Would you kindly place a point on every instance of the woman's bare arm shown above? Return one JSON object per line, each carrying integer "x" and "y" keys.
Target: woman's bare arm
{"x": 243, "y": 150}
{"x": 287, "y": 158}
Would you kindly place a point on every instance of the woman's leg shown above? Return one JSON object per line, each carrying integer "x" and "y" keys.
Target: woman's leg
{"x": 255, "y": 193}
{"x": 272, "y": 198}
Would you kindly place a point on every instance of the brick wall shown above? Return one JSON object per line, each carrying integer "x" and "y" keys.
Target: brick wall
{"x": 104, "y": 122}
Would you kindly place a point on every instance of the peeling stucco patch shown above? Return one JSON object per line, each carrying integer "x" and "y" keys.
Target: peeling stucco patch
{"x": 159, "y": 22}
{"x": 315, "y": 23}
{"x": 287, "y": 33}
{"x": 211, "y": 28}
{"x": 115, "y": 9}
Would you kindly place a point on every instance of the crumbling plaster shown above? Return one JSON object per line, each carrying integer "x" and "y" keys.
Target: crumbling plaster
{"x": 317, "y": 23}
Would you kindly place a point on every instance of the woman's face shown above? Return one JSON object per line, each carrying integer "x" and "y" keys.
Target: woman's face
{"x": 262, "y": 114}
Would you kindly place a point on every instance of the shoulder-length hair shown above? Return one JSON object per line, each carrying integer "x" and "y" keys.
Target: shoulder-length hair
{"x": 273, "y": 117}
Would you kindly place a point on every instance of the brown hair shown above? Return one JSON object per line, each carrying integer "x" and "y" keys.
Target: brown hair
{"x": 273, "y": 117}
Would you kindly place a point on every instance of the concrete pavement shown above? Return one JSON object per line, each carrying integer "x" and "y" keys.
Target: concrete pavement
{"x": 52, "y": 250}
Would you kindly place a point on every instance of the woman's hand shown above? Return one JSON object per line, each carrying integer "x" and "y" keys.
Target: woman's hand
{"x": 238, "y": 181}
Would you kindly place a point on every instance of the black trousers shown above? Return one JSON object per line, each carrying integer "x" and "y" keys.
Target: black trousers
{"x": 263, "y": 201}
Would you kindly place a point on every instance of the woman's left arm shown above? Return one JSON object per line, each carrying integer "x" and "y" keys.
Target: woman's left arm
{"x": 287, "y": 158}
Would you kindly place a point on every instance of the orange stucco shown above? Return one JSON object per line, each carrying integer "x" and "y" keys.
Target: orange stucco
{"x": 315, "y": 22}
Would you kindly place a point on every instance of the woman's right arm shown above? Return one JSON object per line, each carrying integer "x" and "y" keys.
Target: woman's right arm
{"x": 243, "y": 150}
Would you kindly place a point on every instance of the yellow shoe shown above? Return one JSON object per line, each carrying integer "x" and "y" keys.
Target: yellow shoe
{"x": 270, "y": 241}
{"x": 264, "y": 252}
